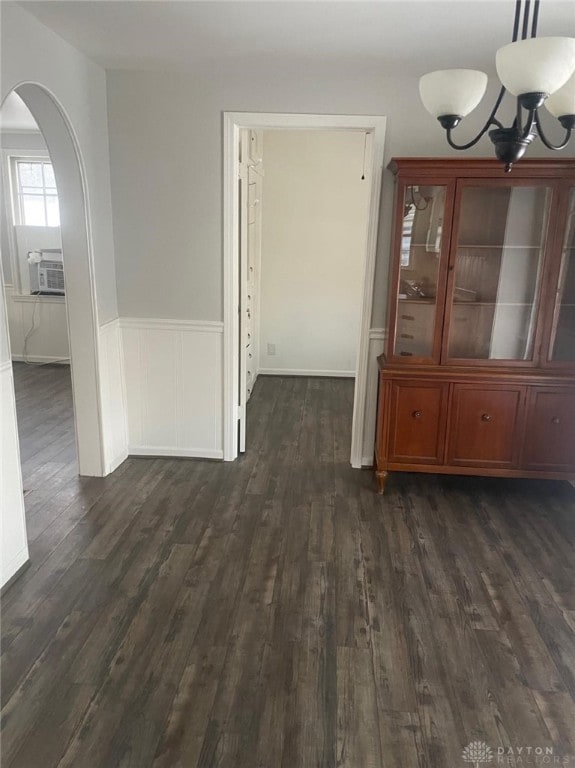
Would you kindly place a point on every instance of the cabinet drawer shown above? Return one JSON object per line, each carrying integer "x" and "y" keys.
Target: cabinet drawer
{"x": 417, "y": 431}
{"x": 550, "y": 431}
{"x": 483, "y": 425}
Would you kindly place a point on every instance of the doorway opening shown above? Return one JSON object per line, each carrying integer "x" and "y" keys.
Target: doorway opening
{"x": 44, "y": 188}
{"x": 299, "y": 254}
{"x": 38, "y": 264}
{"x": 35, "y": 295}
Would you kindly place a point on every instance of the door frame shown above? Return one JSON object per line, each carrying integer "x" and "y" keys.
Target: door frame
{"x": 234, "y": 122}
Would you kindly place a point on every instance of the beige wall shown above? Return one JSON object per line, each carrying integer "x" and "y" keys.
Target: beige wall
{"x": 314, "y": 224}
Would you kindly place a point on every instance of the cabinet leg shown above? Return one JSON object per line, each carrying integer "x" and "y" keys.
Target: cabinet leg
{"x": 381, "y": 477}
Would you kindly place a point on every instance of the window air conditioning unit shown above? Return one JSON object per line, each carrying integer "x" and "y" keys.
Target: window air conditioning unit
{"x": 46, "y": 273}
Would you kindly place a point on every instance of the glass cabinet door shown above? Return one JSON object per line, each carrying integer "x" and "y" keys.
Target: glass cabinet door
{"x": 563, "y": 337}
{"x": 421, "y": 247}
{"x": 497, "y": 271}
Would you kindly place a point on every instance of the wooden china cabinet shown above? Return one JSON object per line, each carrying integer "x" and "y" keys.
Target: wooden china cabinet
{"x": 479, "y": 373}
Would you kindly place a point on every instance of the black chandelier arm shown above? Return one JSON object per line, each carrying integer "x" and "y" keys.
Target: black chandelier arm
{"x": 491, "y": 120}
{"x": 530, "y": 123}
{"x": 546, "y": 141}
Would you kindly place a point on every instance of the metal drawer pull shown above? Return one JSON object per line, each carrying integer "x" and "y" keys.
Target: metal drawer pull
{"x": 555, "y": 420}
{"x": 407, "y": 317}
{"x": 485, "y": 417}
{"x": 417, "y": 414}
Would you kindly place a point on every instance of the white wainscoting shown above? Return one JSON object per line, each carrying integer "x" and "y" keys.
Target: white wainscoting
{"x": 377, "y": 338}
{"x": 14, "y": 549}
{"x": 173, "y": 373}
{"x": 49, "y": 342}
{"x": 113, "y": 396}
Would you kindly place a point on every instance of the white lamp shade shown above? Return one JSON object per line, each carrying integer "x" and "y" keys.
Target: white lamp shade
{"x": 452, "y": 91}
{"x": 562, "y": 102}
{"x": 536, "y": 65}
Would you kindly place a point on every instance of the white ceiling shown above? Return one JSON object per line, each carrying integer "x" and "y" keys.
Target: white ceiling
{"x": 15, "y": 115}
{"x": 413, "y": 35}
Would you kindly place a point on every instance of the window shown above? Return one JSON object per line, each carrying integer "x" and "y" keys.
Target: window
{"x": 36, "y": 197}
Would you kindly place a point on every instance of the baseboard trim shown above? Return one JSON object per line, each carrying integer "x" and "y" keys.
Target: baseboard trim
{"x": 299, "y": 372}
{"x": 17, "y": 573}
{"x": 41, "y": 359}
{"x": 115, "y": 463}
{"x": 168, "y": 451}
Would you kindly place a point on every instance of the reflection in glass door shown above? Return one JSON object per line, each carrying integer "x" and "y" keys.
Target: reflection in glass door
{"x": 422, "y": 230}
{"x": 500, "y": 246}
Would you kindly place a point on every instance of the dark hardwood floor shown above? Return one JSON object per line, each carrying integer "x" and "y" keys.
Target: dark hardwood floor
{"x": 276, "y": 612}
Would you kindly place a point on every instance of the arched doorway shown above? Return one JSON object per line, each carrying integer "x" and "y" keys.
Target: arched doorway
{"x": 80, "y": 289}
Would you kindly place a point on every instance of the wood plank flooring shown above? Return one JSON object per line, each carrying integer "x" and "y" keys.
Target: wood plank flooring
{"x": 276, "y": 612}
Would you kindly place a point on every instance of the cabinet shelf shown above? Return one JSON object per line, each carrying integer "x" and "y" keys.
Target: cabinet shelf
{"x": 492, "y": 304}
{"x": 500, "y": 247}
{"x": 413, "y": 300}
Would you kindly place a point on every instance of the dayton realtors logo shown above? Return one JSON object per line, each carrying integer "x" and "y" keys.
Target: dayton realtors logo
{"x": 478, "y": 753}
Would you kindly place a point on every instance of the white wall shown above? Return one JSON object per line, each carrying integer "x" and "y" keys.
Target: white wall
{"x": 13, "y": 541}
{"x": 314, "y": 228}
{"x": 33, "y": 53}
{"x": 24, "y": 140}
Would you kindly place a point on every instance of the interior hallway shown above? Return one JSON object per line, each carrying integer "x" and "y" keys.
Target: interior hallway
{"x": 277, "y": 612}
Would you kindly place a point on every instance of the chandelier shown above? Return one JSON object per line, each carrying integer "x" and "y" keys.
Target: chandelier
{"x": 537, "y": 71}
